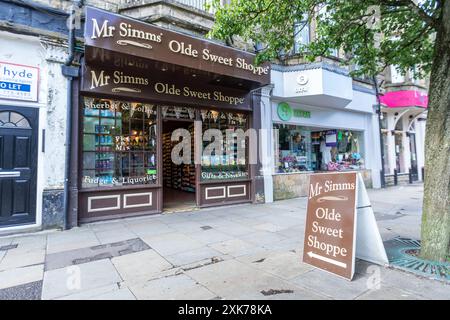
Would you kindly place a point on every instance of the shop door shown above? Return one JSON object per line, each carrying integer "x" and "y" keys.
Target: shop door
{"x": 18, "y": 163}
{"x": 413, "y": 151}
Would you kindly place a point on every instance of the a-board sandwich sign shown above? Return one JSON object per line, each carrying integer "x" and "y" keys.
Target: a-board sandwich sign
{"x": 340, "y": 224}
{"x": 330, "y": 223}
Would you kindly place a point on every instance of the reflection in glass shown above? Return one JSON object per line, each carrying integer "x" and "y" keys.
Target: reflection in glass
{"x": 119, "y": 143}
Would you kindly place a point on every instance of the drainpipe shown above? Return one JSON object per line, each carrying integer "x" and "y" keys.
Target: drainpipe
{"x": 377, "y": 93}
{"x": 69, "y": 72}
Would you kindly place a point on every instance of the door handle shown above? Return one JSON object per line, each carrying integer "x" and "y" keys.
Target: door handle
{"x": 9, "y": 174}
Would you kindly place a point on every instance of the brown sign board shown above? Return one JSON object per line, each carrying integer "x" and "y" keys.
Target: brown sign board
{"x": 145, "y": 85}
{"x": 117, "y": 33}
{"x": 330, "y": 229}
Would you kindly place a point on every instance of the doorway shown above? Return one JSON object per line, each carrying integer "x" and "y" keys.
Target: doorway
{"x": 18, "y": 165}
{"x": 179, "y": 180}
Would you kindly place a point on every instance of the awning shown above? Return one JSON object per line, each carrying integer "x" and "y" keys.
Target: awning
{"x": 405, "y": 98}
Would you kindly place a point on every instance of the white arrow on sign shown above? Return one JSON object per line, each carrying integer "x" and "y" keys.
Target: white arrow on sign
{"x": 337, "y": 263}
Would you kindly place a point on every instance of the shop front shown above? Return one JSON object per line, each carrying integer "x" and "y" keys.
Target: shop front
{"x": 322, "y": 123}
{"x": 151, "y": 102}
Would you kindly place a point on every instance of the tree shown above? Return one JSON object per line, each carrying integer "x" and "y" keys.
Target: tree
{"x": 375, "y": 34}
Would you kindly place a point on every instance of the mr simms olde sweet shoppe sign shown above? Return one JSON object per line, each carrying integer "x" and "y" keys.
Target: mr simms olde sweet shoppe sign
{"x": 340, "y": 224}
{"x": 330, "y": 223}
{"x": 119, "y": 34}
{"x": 145, "y": 85}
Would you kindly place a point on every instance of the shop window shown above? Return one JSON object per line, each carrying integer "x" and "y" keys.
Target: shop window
{"x": 220, "y": 164}
{"x": 119, "y": 143}
{"x": 302, "y": 149}
{"x": 294, "y": 149}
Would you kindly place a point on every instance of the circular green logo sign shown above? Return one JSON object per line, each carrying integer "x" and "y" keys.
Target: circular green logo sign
{"x": 284, "y": 111}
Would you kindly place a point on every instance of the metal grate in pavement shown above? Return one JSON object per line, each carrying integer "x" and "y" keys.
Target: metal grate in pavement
{"x": 397, "y": 251}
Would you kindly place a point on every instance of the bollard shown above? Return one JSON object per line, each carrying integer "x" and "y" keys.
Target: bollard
{"x": 395, "y": 177}
{"x": 410, "y": 176}
{"x": 423, "y": 174}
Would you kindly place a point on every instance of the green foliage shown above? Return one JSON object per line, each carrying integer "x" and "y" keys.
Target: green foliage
{"x": 372, "y": 33}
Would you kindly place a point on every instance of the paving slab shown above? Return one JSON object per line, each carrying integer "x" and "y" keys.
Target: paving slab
{"x": 430, "y": 289}
{"x": 286, "y": 265}
{"x": 209, "y": 236}
{"x": 121, "y": 294}
{"x": 92, "y": 293}
{"x": 71, "y": 239}
{"x": 75, "y": 279}
{"x": 191, "y": 256}
{"x": 285, "y": 245}
{"x": 280, "y": 220}
{"x": 169, "y": 218}
{"x": 172, "y": 243}
{"x": 5, "y": 241}
{"x": 105, "y": 226}
{"x": 259, "y": 238}
{"x": 114, "y": 235}
{"x": 140, "y": 266}
{"x": 232, "y": 279}
{"x": 187, "y": 226}
{"x": 234, "y": 247}
{"x": 14, "y": 259}
{"x": 148, "y": 228}
{"x": 234, "y": 229}
{"x": 27, "y": 291}
{"x": 333, "y": 286}
{"x": 18, "y": 276}
{"x": 267, "y": 226}
{"x": 78, "y": 256}
{"x": 172, "y": 288}
{"x": 385, "y": 292}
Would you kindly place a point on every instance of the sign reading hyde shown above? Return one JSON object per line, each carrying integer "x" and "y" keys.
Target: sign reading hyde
{"x": 18, "y": 82}
{"x": 107, "y": 30}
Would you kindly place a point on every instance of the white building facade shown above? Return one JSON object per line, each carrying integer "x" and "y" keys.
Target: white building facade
{"x": 32, "y": 130}
{"x": 322, "y": 121}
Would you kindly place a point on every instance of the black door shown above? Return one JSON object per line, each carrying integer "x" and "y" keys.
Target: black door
{"x": 18, "y": 165}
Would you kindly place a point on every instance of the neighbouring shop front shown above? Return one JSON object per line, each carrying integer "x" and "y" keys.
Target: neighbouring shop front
{"x": 305, "y": 142}
{"x": 322, "y": 120}
{"x": 145, "y": 89}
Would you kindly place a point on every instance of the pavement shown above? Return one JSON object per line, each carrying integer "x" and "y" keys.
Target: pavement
{"x": 239, "y": 252}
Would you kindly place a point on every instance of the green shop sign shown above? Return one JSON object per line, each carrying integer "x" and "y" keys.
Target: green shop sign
{"x": 285, "y": 112}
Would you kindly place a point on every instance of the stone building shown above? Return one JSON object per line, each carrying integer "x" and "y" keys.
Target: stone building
{"x": 317, "y": 117}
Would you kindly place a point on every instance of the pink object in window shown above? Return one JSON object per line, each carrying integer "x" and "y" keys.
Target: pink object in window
{"x": 405, "y": 98}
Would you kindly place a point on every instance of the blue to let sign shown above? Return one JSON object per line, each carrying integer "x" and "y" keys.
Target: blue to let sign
{"x": 15, "y": 86}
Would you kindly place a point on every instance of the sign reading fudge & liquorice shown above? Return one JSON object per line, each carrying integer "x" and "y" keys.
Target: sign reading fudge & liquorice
{"x": 330, "y": 229}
